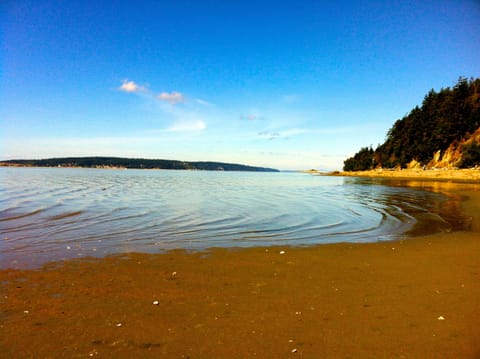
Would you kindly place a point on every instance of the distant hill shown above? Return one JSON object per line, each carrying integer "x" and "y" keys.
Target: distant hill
{"x": 139, "y": 163}
{"x": 443, "y": 132}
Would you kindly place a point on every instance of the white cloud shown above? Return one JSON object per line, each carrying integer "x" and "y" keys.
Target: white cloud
{"x": 272, "y": 135}
{"x": 130, "y": 86}
{"x": 282, "y": 134}
{"x": 203, "y": 102}
{"x": 172, "y": 97}
{"x": 251, "y": 117}
{"x": 188, "y": 126}
{"x": 252, "y": 114}
{"x": 269, "y": 135}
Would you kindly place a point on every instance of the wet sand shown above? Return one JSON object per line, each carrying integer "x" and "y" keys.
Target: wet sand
{"x": 415, "y": 298}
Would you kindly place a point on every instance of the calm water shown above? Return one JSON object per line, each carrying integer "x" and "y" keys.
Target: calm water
{"x": 53, "y": 213}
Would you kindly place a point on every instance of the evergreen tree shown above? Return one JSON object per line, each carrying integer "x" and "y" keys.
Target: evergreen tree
{"x": 444, "y": 117}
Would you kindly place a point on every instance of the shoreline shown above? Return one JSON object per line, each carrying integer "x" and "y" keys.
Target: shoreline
{"x": 459, "y": 175}
{"x": 416, "y": 297}
{"x": 120, "y": 168}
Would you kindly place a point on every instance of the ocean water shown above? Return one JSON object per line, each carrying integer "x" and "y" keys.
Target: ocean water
{"x": 59, "y": 213}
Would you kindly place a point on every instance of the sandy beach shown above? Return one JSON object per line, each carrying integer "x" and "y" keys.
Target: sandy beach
{"x": 458, "y": 175}
{"x": 414, "y": 298}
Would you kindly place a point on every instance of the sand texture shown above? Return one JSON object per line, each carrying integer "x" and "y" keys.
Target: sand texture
{"x": 465, "y": 175}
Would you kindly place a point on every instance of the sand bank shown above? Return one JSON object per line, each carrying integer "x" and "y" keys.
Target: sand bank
{"x": 416, "y": 298}
{"x": 464, "y": 175}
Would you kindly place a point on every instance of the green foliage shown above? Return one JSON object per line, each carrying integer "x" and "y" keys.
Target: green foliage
{"x": 363, "y": 160}
{"x": 471, "y": 155}
{"x": 444, "y": 117}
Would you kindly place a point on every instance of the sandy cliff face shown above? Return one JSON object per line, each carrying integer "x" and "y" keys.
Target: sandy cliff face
{"x": 452, "y": 156}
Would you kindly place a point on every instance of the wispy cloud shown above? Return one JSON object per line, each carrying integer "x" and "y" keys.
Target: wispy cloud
{"x": 288, "y": 133}
{"x": 269, "y": 135}
{"x": 172, "y": 97}
{"x": 203, "y": 102}
{"x": 187, "y": 126}
{"x": 272, "y": 135}
{"x": 252, "y": 115}
{"x": 131, "y": 86}
{"x": 183, "y": 118}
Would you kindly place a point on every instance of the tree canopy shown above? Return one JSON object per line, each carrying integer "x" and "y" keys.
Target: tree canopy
{"x": 445, "y": 117}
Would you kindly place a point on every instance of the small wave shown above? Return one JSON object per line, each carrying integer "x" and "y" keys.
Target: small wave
{"x": 7, "y": 217}
{"x": 65, "y": 215}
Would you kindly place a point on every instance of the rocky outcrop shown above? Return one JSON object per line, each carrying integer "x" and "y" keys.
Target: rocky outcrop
{"x": 453, "y": 155}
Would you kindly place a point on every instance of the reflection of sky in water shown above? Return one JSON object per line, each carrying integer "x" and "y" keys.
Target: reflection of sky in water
{"x": 60, "y": 213}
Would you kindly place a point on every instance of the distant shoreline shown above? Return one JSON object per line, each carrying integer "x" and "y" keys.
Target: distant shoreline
{"x": 132, "y": 163}
{"x": 119, "y": 168}
{"x": 17, "y": 165}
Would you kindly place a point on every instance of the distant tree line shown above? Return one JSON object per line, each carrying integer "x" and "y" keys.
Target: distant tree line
{"x": 445, "y": 117}
{"x": 117, "y": 162}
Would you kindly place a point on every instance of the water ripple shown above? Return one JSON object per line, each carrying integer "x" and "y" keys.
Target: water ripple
{"x": 48, "y": 214}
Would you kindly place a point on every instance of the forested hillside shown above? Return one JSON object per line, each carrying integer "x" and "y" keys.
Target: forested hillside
{"x": 118, "y": 162}
{"x": 446, "y": 120}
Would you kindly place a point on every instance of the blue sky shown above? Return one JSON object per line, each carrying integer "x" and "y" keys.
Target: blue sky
{"x": 284, "y": 84}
